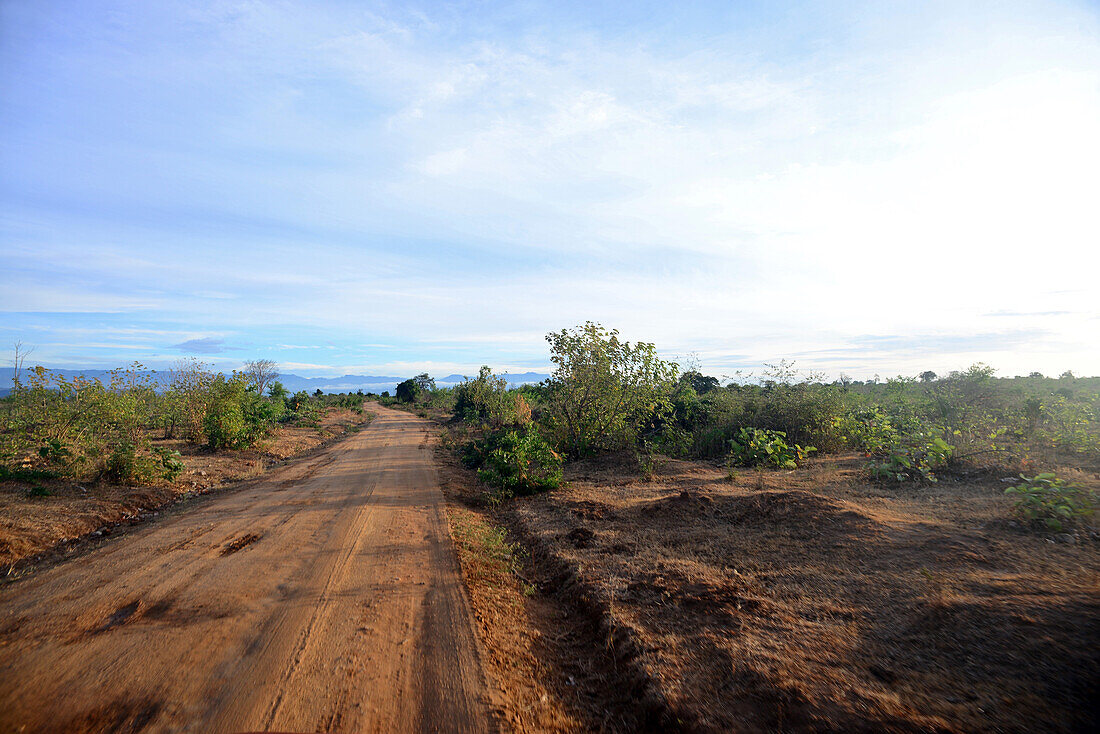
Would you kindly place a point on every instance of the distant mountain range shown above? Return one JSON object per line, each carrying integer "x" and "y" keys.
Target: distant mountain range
{"x": 294, "y": 383}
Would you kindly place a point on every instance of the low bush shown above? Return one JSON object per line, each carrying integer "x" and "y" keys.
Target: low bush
{"x": 916, "y": 458}
{"x": 514, "y": 462}
{"x": 761, "y": 447}
{"x": 1047, "y": 500}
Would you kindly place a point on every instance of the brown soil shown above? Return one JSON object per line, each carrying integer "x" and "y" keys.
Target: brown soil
{"x": 34, "y": 525}
{"x": 814, "y": 601}
{"x": 325, "y": 596}
{"x": 545, "y": 650}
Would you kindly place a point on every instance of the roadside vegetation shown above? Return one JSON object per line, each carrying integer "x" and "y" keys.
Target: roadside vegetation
{"x": 777, "y": 551}
{"x": 92, "y": 430}
{"x": 607, "y": 396}
{"x": 79, "y": 456}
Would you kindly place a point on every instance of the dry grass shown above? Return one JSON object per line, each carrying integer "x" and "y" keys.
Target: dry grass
{"x": 815, "y": 601}
{"x": 31, "y": 525}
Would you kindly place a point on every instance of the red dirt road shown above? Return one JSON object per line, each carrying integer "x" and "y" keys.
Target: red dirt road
{"x": 323, "y": 597}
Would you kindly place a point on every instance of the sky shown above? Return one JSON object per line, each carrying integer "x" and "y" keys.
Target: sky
{"x": 390, "y": 188}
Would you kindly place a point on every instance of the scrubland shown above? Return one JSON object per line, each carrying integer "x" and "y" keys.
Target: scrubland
{"x": 79, "y": 456}
{"x": 665, "y": 551}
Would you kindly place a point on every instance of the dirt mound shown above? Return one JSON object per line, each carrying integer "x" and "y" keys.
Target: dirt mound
{"x": 684, "y": 502}
{"x": 708, "y": 597}
{"x": 799, "y": 509}
{"x": 589, "y": 510}
{"x": 793, "y": 508}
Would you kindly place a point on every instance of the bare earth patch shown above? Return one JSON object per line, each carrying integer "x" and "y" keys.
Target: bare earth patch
{"x": 543, "y": 653}
{"x": 813, "y": 600}
{"x": 31, "y": 524}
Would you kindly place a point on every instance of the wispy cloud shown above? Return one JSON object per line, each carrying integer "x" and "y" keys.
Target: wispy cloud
{"x": 206, "y": 345}
{"x": 414, "y": 185}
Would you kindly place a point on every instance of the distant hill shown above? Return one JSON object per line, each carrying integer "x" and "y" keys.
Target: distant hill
{"x": 520, "y": 378}
{"x": 294, "y": 383}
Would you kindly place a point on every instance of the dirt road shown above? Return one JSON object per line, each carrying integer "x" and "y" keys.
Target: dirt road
{"x": 324, "y": 597}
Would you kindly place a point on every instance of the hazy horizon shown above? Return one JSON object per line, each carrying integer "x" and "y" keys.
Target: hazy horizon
{"x": 364, "y": 188}
{"x": 761, "y": 373}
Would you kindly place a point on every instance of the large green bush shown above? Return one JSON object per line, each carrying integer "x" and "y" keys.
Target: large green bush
{"x": 225, "y": 423}
{"x": 604, "y": 391}
{"x": 485, "y": 399}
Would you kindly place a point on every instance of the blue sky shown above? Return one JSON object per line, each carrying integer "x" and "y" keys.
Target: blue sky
{"x": 395, "y": 187}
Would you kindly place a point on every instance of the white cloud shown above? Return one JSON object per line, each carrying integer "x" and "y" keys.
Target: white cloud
{"x": 911, "y": 173}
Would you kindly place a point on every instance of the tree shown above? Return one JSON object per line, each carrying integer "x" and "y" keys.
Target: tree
{"x": 20, "y": 355}
{"x": 277, "y": 391}
{"x": 187, "y": 397}
{"x": 408, "y": 391}
{"x": 699, "y": 382}
{"x": 1036, "y": 374}
{"x": 260, "y": 372}
{"x": 603, "y": 390}
{"x": 928, "y": 376}
{"x": 411, "y": 389}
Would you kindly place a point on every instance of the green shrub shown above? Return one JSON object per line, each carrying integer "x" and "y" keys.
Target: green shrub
{"x": 649, "y": 462}
{"x": 514, "y": 462}
{"x": 136, "y": 464}
{"x": 54, "y": 452}
{"x": 672, "y": 441}
{"x": 485, "y": 399}
{"x": 171, "y": 465}
{"x": 761, "y": 447}
{"x": 225, "y": 426}
{"x": 1049, "y": 500}
{"x": 237, "y": 417}
{"x": 867, "y": 429}
{"x": 919, "y": 458}
{"x": 713, "y": 442}
{"x": 604, "y": 391}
